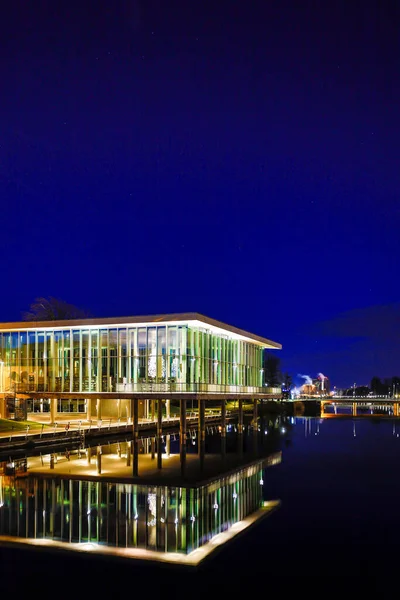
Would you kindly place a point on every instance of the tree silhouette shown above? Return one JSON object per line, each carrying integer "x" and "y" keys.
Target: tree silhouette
{"x": 377, "y": 386}
{"x": 287, "y": 381}
{"x": 53, "y": 309}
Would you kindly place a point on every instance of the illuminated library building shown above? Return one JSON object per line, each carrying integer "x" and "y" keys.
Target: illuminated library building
{"x": 97, "y": 368}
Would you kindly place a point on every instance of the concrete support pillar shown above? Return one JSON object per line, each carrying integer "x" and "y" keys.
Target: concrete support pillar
{"x": 202, "y": 431}
{"x": 255, "y": 414}
{"x": 240, "y": 426}
{"x": 223, "y": 428}
{"x": 159, "y": 433}
{"x": 182, "y": 435}
{"x": 89, "y": 455}
{"x": 135, "y": 442}
{"x": 88, "y": 409}
{"x": 240, "y": 415}
{"x": 98, "y": 460}
{"x": 128, "y": 454}
{"x": 152, "y": 417}
{"x": 53, "y": 410}
{"x": 131, "y": 412}
{"x": 2, "y": 407}
{"x": 98, "y": 408}
{"x": 255, "y": 425}
{"x": 51, "y": 461}
{"x": 168, "y": 438}
{"x": 158, "y": 520}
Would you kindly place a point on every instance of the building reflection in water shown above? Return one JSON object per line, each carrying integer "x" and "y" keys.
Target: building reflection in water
{"x": 165, "y": 519}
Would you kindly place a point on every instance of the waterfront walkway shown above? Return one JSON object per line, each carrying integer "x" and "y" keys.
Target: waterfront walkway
{"x": 86, "y": 433}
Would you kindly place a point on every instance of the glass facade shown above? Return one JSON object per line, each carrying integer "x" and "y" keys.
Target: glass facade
{"x": 124, "y": 359}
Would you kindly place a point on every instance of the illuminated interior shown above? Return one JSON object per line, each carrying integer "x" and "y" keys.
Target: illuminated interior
{"x": 96, "y": 358}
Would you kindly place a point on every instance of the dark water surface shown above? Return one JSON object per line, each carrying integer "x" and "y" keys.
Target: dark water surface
{"x": 337, "y": 530}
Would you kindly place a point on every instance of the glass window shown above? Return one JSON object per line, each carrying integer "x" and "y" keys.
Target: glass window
{"x": 40, "y": 343}
{"x": 133, "y": 342}
{"x": 152, "y": 353}
{"x": 113, "y": 341}
{"x": 67, "y": 339}
{"x": 122, "y": 342}
{"x": 23, "y": 344}
{"x": 104, "y": 342}
{"x": 58, "y": 338}
{"x": 142, "y": 348}
{"x": 49, "y": 344}
{"x": 85, "y": 344}
{"x": 94, "y": 342}
{"x": 32, "y": 348}
{"x": 161, "y": 349}
{"x": 113, "y": 345}
{"x": 76, "y": 340}
{"x": 172, "y": 354}
{"x": 14, "y": 347}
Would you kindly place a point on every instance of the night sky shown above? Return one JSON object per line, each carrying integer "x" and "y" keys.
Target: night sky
{"x": 234, "y": 158}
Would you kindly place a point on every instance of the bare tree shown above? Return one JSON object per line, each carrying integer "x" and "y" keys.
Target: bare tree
{"x": 53, "y": 309}
{"x": 287, "y": 381}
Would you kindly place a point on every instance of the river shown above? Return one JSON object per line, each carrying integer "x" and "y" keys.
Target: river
{"x": 338, "y": 521}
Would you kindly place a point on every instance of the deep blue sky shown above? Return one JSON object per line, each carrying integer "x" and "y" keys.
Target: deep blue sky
{"x": 239, "y": 159}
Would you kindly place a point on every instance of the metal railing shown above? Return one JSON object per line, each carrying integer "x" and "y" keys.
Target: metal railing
{"x": 194, "y": 388}
{"x": 157, "y": 388}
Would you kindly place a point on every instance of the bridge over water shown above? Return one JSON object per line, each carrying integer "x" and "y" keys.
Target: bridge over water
{"x": 352, "y": 406}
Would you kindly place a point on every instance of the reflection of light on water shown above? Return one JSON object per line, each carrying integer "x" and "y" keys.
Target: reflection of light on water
{"x": 88, "y": 546}
{"x": 1, "y": 492}
{"x": 153, "y": 502}
{"x": 152, "y": 499}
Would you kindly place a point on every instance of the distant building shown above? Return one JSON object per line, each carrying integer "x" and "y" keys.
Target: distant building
{"x": 322, "y": 385}
{"x": 319, "y": 386}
